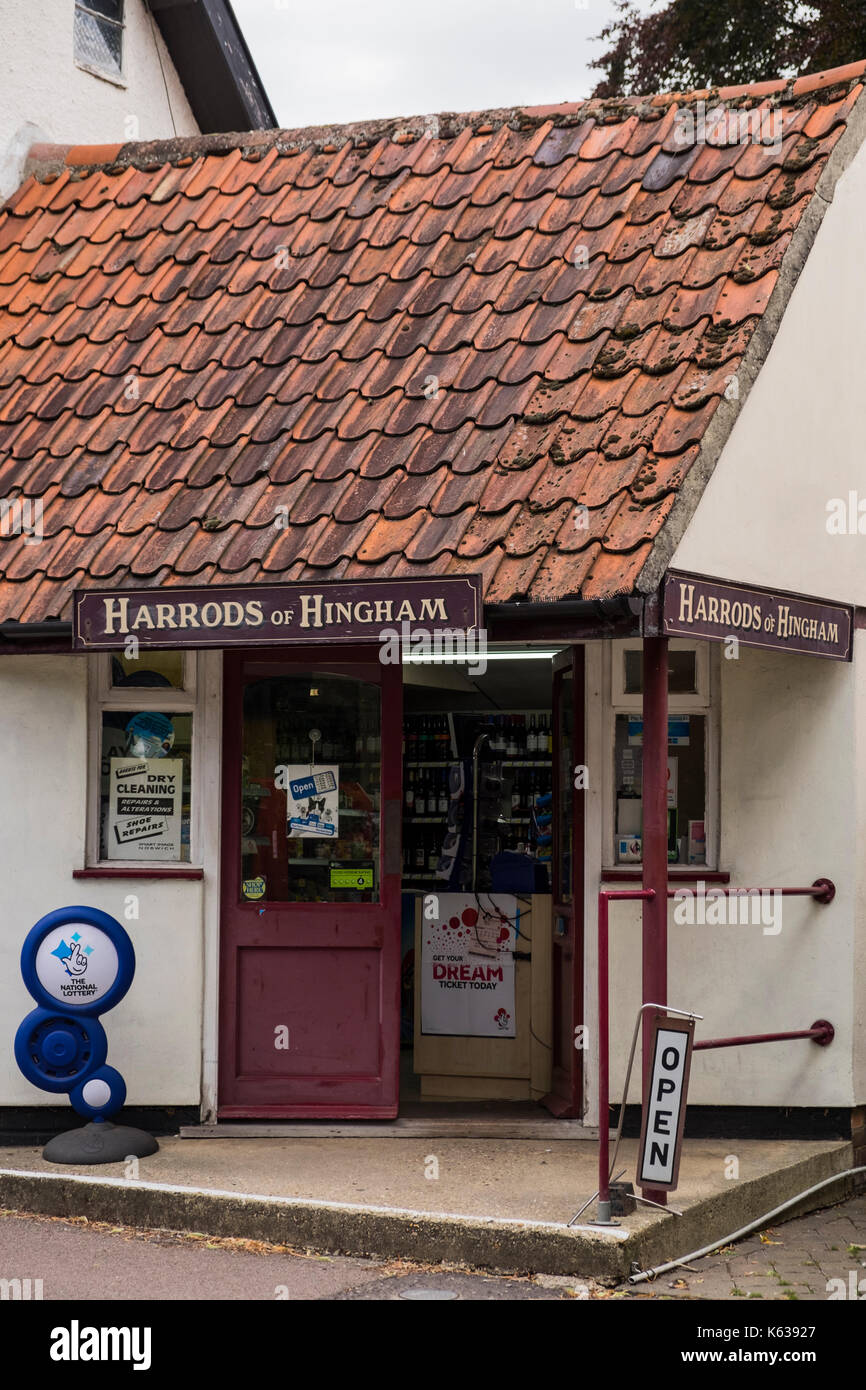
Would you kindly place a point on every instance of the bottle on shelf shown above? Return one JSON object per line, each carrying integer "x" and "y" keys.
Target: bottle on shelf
{"x": 421, "y": 794}
{"x": 532, "y": 738}
{"x": 409, "y": 798}
{"x": 419, "y": 855}
{"x": 511, "y": 745}
{"x": 444, "y": 739}
{"x": 443, "y": 793}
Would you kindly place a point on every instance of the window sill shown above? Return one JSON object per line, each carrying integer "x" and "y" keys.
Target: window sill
{"x": 114, "y": 79}
{"x": 677, "y": 873}
{"x": 146, "y": 871}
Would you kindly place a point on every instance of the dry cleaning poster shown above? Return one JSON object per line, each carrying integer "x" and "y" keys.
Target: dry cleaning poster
{"x": 144, "y": 808}
{"x": 467, "y": 967}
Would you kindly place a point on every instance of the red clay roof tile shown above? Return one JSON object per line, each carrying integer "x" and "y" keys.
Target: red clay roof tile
{"x": 484, "y": 344}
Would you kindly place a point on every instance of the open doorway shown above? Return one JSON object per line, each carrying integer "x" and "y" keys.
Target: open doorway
{"x": 491, "y": 956}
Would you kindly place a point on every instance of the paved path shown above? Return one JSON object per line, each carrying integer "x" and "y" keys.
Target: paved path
{"x": 795, "y": 1260}
{"x": 79, "y": 1260}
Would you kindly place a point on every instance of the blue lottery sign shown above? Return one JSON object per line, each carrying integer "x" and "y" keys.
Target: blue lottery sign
{"x": 77, "y": 963}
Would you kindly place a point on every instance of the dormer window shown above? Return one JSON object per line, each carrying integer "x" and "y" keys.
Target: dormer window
{"x": 99, "y": 37}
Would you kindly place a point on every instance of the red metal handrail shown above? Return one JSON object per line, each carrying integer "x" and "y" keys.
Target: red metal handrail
{"x": 823, "y": 890}
{"x": 822, "y": 1032}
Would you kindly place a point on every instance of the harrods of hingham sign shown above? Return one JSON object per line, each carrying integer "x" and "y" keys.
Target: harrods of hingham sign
{"x": 274, "y": 614}
{"x": 697, "y": 607}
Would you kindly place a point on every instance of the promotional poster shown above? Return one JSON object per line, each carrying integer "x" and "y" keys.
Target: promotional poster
{"x": 467, "y": 965}
{"x": 144, "y": 808}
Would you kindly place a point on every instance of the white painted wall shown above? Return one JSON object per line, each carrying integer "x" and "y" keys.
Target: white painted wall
{"x": 798, "y": 440}
{"x": 789, "y": 803}
{"x": 42, "y": 87}
{"x": 155, "y": 1032}
{"x": 858, "y": 867}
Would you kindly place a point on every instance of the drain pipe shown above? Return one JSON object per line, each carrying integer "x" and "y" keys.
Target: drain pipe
{"x": 653, "y": 1273}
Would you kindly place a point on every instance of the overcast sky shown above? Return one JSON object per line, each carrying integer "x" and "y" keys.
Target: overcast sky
{"x": 324, "y": 61}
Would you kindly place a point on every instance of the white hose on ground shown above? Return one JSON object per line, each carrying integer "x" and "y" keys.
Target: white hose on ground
{"x": 744, "y": 1231}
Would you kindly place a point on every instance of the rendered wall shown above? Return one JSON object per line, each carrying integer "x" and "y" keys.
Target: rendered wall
{"x": 41, "y": 85}
{"x": 789, "y": 799}
{"x": 155, "y": 1032}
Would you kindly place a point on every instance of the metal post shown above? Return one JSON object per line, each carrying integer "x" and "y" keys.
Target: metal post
{"x": 603, "y": 1211}
{"x": 605, "y": 895}
{"x": 654, "y": 844}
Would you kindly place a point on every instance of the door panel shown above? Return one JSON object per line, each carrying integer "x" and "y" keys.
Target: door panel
{"x": 310, "y": 920}
{"x": 566, "y": 1093}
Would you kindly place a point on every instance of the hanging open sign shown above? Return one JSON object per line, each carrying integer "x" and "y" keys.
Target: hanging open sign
{"x": 664, "y": 1111}
{"x": 314, "y": 785}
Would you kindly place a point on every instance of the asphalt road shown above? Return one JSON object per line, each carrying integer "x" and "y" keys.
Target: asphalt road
{"x": 77, "y": 1260}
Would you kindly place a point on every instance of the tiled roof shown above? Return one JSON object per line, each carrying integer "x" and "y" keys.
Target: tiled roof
{"x": 491, "y": 343}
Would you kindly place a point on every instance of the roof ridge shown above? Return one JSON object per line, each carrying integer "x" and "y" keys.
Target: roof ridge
{"x": 47, "y": 161}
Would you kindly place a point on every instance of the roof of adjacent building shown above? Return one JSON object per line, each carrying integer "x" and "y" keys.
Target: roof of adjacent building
{"x": 509, "y": 343}
{"x": 214, "y": 64}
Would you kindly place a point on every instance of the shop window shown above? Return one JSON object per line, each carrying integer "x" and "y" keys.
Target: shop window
{"x": 98, "y": 37}
{"x": 688, "y": 675}
{"x": 692, "y": 757}
{"x": 311, "y": 792}
{"x": 682, "y": 672}
{"x": 148, "y": 669}
{"x": 143, "y": 730}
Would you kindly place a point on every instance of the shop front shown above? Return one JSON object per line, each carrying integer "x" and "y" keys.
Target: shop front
{"x": 407, "y": 531}
{"x": 364, "y": 875}
{"x": 398, "y": 826}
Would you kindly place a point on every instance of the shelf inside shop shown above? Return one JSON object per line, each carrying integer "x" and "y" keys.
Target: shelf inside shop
{"x": 442, "y": 762}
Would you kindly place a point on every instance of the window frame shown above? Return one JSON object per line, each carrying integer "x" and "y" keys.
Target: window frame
{"x": 705, "y": 701}
{"x": 678, "y": 703}
{"x": 102, "y": 697}
{"x": 117, "y": 78}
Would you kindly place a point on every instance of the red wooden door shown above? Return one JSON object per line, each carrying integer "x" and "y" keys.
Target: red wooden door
{"x": 566, "y": 1093}
{"x": 310, "y": 916}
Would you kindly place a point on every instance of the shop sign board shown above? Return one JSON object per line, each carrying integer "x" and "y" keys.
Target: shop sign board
{"x": 664, "y": 1110}
{"x": 467, "y": 966}
{"x": 274, "y": 614}
{"x": 697, "y": 607}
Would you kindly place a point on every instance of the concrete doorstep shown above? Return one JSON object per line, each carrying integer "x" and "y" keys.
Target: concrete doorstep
{"x": 492, "y": 1205}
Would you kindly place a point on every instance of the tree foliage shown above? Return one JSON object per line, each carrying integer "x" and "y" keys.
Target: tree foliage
{"x": 689, "y": 44}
